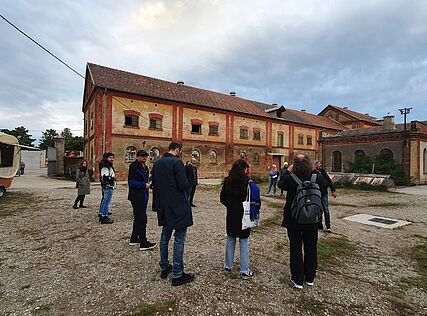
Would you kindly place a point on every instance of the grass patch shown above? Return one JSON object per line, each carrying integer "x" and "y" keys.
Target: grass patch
{"x": 43, "y": 309}
{"x": 311, "y": 305}
{"x": 420, "y": 256}
{"x": 401, "y": 307}
{"x": 385, "y": 204}
{"x": 275, "y": 220}
{"x": 152, "y": 309}
{"x": 278, "y": 205}
{"x": 329, "y": 250}
{"x": 11, "y": 199}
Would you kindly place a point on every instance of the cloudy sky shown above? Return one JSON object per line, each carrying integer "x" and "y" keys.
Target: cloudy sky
{"x": 369, "y": 55}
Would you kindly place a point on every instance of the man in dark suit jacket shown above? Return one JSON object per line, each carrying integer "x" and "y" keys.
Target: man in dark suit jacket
{"x": 138, "y": 195}
{"x": 193, "y": 180}
{"x": 173, "y": 212}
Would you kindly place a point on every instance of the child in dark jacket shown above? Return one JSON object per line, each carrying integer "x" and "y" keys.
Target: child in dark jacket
{"x": 255, "y": 201}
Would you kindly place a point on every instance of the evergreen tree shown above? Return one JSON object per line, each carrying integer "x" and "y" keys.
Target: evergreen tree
{"x": 21, "y": 133}
{"x": 47, "y": 138}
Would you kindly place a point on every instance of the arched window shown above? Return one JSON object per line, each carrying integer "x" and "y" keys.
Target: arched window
{"x": 425, "y": 161}
{"x": 213, "y": 158}
{"x": 255, "y": 159}
{"x": 336, "y": 161}
{"x": 359, "y": 155}
{"x": 244, "y": 155}
{"x": 130, "y": 153}
{"x": 386, "y": 154}
{"x": 154, "y": 154}
{"x": 196, "y": 154}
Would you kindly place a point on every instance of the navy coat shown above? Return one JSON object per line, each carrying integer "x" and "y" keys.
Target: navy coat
{"x": 137, "y": 179}
{"x": 170, "y": 182}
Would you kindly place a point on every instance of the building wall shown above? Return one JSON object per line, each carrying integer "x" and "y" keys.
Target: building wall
{"x": 251, "y": 125}
{"x": 205, "y": 117}
{"x": 422, "y": 175}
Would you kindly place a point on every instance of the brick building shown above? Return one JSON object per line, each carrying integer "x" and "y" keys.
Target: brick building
{"x": 125, "y": 112}
{"x": 367, "y": 136}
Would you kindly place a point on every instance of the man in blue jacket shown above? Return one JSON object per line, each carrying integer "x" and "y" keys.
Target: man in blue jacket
{"x": 138, "y": 196}
{"x": 173, "y": 212}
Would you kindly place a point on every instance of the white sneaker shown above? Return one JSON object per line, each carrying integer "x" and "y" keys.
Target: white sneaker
{"x": 296, "y": 286}
{"x": 309, "y": 283}
{"x": 246, "y": 275}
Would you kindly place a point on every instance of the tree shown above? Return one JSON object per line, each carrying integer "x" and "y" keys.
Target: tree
{"x": 67, "y": 135}
{"x": 21, "y": 133}
{"x": 47, "y": 138}
{"x": 75, "y": 143}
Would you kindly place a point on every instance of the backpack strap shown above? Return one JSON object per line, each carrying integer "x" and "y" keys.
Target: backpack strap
{"x": 296, "y": 179}
{"x": 313, "y": 177}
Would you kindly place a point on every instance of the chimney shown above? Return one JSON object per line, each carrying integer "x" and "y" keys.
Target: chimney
{"x": 232, "y": 93}
{"x": 388, "y": 123}
{"x": 303, "y": 110}
{"x": 367, "y": 114}
{"x": 345, "y": 107}
{"x": 274, "y": 104}
{"x": 180, "y": 82}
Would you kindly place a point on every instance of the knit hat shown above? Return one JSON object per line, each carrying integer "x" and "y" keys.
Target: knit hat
{"x": 142, "y": 153}
{"x": 107, "y": 154}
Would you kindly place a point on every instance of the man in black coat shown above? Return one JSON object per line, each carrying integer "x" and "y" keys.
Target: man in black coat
{"x": 193, "y": 180}
{"x": 173, "y": 212}
{"x": 138, "y": 196}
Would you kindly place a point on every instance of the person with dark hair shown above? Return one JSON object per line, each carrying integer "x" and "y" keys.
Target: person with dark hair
{"x": 193, "y": 180}
{"x": 173, "y": 212}
{"x": 138, "y": 183}
{"x": 107, "y": 177}
{"x": 302, "y": 267}
{"x": 82, "y": 184}
{"x": 233, "y": 193}
{"x": 330, "y": 184}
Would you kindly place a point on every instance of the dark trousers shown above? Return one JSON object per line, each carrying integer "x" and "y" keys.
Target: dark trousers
{"x": 139, "y": 231}
{"x": 303, "y": 268}
{"x": 79, "y": 198}
{"x": 191, "y": 195}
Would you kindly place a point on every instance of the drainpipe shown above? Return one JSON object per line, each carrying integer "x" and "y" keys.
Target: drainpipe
{"x": 104, "y": 110}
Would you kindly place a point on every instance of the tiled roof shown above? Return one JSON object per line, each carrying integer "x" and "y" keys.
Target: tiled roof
{"x": 124, "y": 81}
{"x": 356, "y": 115}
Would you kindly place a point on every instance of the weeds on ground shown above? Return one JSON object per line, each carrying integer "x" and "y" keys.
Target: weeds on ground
{"x": 275, "y": 220}
{"x": 401, "y": 307}
{"x": 43, "y": 309}
{"x": 420, "y": 256}
{"x": 278, "y": 205}
{"x": 312, "y": 305}
{"x": 152, "y": 309}
{"x": 11, "y": 199}
{"x": 329, "y": 250}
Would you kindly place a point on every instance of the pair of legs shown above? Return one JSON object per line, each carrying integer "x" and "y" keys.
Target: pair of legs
{"x": 139, "y": 230}
{"x": 244, "y": 254}
{"x": 303, "y": 268}
{"x": 107, "y": 195}
{"x": 273, "y": 183}
{"x": 178, "y": 250}
{"x": 191, "y": 192}
{"x": 326, "y": 211}
{"x": 79, "y": 199}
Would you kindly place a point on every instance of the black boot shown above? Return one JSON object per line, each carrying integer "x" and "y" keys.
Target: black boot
{"x": 75, "y": 206}
{"x": 106, "y": 220}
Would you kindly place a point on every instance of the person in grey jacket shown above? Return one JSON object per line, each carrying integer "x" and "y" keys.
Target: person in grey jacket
{"x": 173, "y": 212}
{"x": 82, "y": 184}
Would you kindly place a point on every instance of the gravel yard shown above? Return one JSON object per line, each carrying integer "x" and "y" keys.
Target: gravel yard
{"x": 55, "y": 260}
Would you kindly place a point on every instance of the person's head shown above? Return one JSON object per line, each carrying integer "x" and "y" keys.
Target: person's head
{"x": 193, "y": 160}
{"x": 108, "y": 156}
{"x": 273, "y": 166}
{"x": 141, "y": 156}
{"x": 317, "y": 164}
{"x": 285, "y": 164}
{"x": 175, "y": 148}
{"x": 83, "y": 164}
{"x": 240, "y": 168}
{"x": 301, "y": 165}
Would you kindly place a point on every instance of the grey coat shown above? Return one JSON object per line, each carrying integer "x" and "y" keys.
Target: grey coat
{"x": 82, "y": 182}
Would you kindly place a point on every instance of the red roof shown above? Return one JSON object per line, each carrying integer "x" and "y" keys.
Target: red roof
{"x": 123, "y": 81}
{"x": 356, "y": 115}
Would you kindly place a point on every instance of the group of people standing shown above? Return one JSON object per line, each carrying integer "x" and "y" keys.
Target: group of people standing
{"x": 174, "y": 184}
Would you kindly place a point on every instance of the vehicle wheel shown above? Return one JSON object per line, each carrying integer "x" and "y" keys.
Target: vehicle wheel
{"x": 2, "y": 191}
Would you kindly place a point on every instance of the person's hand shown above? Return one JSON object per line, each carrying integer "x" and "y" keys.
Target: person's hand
{"x": 147, "y": 186}
{"x": 291, "y": 168}
{"x": 334, "y": 194}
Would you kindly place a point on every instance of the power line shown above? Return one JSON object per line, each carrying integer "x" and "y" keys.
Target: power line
{"x": 65, "y": 64}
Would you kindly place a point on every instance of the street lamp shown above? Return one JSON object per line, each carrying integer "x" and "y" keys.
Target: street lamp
{"x": 404, "y": 112}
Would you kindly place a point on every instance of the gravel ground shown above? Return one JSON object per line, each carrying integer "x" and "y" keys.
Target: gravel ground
{"x": 55, "y": 260}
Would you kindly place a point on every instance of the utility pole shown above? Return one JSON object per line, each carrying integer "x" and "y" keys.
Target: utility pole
{"x": 404, "y": 112}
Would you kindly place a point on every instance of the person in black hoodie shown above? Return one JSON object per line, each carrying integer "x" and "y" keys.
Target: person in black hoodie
{"x": 138, "y": 182}
{"x": 107, "y": 177}
{"x": 302, "y": 267}
{"x": 330, "y": 184}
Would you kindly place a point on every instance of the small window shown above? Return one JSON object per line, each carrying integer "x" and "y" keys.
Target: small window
{"x": 243, "y": 155}
{"x": 196, "y": 128}
{"x": 243, "y": 133}
{"x": 213, "y": 130}
{"x": 309, "y": 140}
{"x": 213, "y": 158}
{"x": 280, "y": 138}
{"x": 300, "y": 140}
{"x": 255, "y": 159}
{"x": 257, "y": 135}
{"x": 154, "y": 154}
{"x": 91, "y": 121}
{"x": 155, "y": 123}
{"x": 359, "y": 155}
{"x": 130, "y": 153}
{"x": 386, "y": 154}
{"x": 131, "y": 120}
{"x": 196, "y": 154}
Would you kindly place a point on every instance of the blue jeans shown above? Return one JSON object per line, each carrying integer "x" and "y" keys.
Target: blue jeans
{"x": 326, "y": 211}
{"x": 244, "y": 253}
{"x": 272, "y": 184}
{"x": 107, "y": 194}
{"x": 178, "y": 250}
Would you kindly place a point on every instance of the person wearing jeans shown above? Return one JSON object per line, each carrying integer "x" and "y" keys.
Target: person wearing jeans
{"x": 274, "y": 175}
{"x": 244, "y": 254}
{"x": 108, "y": 184}
{"x": 173, "y": 212}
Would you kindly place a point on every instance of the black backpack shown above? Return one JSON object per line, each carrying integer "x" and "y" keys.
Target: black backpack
{"x": 307, "y": 206}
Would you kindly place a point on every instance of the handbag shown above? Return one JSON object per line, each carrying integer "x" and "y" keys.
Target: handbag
{"x": 246, "y": 219}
